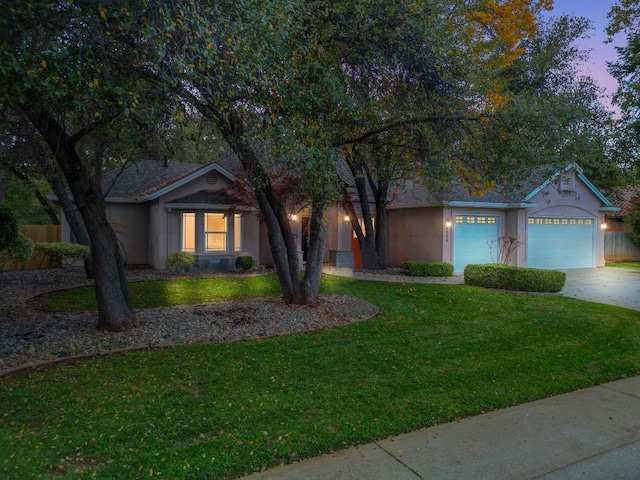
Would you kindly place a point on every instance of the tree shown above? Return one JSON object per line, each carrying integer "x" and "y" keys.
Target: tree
{"x": 66, "y": 70}
{"x": 421, "y": 82}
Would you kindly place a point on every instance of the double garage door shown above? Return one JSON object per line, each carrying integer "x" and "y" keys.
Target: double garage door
{"x": 555, "y": 243}
{"x": 561, "y": 243}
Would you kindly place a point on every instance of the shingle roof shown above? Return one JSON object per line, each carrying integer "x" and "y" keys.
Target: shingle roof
{"x": 144, "y": 177}
{"x": 626, "y": 197}
{"x": 414, "y": 193}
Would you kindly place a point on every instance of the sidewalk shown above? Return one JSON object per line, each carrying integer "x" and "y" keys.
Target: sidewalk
{"x": 588, "y": 434}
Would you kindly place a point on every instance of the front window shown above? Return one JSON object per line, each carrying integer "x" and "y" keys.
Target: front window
{"x": 189, "y": 232}
{"x": 215, "y": 232}
{"x": 237, "y": 246}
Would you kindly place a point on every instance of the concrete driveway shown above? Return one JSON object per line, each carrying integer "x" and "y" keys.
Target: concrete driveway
{"x": 613, "y": 286}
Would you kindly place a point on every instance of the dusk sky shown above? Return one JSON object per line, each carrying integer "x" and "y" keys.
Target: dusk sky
{"x": 596, "y": 11}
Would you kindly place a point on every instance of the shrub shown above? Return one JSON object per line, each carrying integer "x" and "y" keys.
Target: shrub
{"x": 244, "y": 262}
{"x": 61, "y": 252}
{"x": 428, "y": 269}
{"x": 507, "y": 277}
{"x": 13, "y": 243}
{"x": 180, "y": 262}
{"x": 21, "y": 249}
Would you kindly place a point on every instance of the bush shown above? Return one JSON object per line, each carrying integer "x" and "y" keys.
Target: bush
{"x": 428, "y": 269}
{"x": 21, "y": 249}
{"x": 13, "y": 243}
{"x": 61, "y": 252}
{"x": 180, "y": 262}
{"x": 244, "y": 262}
{"x": 506, "y": 277}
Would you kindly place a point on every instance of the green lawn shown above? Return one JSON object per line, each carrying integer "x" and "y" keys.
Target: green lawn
{"x": 435, "y": 354}
{"x": 631, "y": 265}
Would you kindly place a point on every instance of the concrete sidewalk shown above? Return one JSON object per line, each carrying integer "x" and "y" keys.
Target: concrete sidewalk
{"x": 588, "y": 434}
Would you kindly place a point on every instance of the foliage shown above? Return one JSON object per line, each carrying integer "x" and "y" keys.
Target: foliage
{"x": 21, "y": 250}
{"x": 428, "y": 269}
{"x": 244, "y": 262}
{"x": 13, "y": 243}
{"x": 180, "y": 262}
{"x": 507, "y": 277}
{"x": 61, "y": 253}
{"x": 176, "y": 413}
{"x": 20, "y": 198}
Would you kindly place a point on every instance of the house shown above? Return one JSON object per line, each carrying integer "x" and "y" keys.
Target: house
{"x": 556, "y": 221}
{"x": 158, "y": 207}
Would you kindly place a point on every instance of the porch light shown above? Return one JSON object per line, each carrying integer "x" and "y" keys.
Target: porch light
{"x": 346, "y": 219}
{"x": 293, "y": 217}
{"x": 447, "y": 223}
{"x": 604, "y": 226}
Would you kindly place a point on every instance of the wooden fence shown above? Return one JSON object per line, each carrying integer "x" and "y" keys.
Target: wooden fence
{"x": 39, "y": 234}
{"x": 618, "y": 247}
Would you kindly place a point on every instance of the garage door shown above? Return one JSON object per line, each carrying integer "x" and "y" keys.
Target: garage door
{"x": 475, "y": 240}
{"x": 560, "y": 243}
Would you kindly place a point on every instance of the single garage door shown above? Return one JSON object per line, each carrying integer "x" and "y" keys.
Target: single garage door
{"x": 561, "y": 243}
{"x": 475, "y": 240}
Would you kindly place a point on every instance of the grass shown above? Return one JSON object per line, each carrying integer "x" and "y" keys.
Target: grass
{"x": 435, "y": 354}
{"x": 631, "y": 265}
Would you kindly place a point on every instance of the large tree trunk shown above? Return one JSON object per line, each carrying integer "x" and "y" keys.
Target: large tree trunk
{"x": 114, "y": 311}
{"x": 71, "y": 213}
{"x": 295, "y": 287}
{"x": 373, "y": 240}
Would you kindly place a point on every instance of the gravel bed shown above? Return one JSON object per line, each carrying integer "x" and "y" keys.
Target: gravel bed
{"x": 29, "y": 335}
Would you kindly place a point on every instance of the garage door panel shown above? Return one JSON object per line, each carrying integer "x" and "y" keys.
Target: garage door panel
{"x": 475, "y": 240}
{"x": 561, "y": 243}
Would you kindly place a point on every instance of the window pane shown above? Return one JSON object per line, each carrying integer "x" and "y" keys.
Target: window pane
{"x": 188, "y": 232}
{"x": 215, "y": 222}
{"x": 237, "y": 232}
{"x": 216, "y": 242}
{"x": 215, "y": 232}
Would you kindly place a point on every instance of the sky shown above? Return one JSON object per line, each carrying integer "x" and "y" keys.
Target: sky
{"x": 596, "y": 11}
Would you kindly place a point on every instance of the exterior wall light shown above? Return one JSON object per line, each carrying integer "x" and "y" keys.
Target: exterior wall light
{"x": 604, "y": 226}
{"x": 293, "y": 217}
{"x": 347, "y": 219}
{"x": 447, "y": 223}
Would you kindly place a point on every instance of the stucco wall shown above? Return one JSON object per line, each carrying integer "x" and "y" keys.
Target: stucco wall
{"x": 415, "y": 234}
{"x": 130, "y": 222}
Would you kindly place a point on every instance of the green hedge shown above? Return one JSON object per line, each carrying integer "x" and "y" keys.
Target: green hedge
{"x": 506, "y": 277}
{"x": 244, "y": 262}
{"x": 428, "y": 269}
{"x": 61, "y": 252}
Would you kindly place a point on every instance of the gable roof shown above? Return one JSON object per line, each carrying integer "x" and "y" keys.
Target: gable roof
{"x": 149, "y": 179}
{"x": 454, "y": 194}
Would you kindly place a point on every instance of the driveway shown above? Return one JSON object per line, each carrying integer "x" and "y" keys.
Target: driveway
{"x": 613, "y": 286}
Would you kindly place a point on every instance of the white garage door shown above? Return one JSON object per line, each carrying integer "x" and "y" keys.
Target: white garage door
{"x": 475, "y": 240}
{"x": 560, "y": 243}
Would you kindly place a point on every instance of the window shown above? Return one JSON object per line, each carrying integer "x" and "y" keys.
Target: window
{"x": 188, "y": 232}
{"x": 211, "y": 232}
{"x": 237, "y": 245}
{"x": 215, "y": 232}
